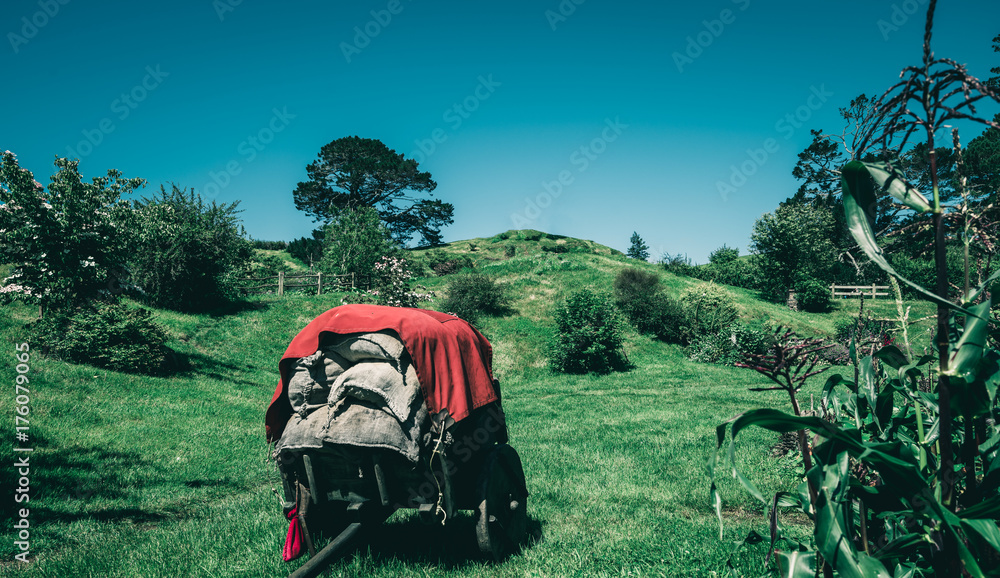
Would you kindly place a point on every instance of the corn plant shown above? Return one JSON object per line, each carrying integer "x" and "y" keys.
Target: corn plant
{"x": 899, "y": 482}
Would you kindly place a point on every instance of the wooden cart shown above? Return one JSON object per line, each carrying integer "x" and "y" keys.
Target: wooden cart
{"x": 338, "y": 490}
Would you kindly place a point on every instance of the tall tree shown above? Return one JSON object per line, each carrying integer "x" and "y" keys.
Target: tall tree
{"x": 354, "y": 172}
{"x": 639, "y": 248}
{"x": 794, "y": 244}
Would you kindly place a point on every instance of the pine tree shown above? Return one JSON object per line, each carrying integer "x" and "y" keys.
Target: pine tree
{"x": 639, "y": 248}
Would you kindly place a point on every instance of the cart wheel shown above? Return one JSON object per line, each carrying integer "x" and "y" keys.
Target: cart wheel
{"x": 503, "y": 505}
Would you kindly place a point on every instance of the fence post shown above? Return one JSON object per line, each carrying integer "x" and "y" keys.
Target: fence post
{"x": 833, "y": 290}
{"x": 281, "y": 283}
{"x": 352, "y": 280}
{"x": 319, "y": 283}
{"x": 873, "y": 290}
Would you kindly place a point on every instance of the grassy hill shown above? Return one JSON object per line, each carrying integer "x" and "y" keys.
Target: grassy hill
{"x": 141, "y": 476}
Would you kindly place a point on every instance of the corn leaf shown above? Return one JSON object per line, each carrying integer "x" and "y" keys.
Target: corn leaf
{"x": 860, "y": 195}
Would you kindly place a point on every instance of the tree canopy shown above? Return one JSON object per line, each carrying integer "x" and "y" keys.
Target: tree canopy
{"x": 354, "y": 172}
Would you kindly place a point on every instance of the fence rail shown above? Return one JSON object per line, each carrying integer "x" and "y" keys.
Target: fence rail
{"x": 873, "y": 291}
{"x": 341, "y": 281}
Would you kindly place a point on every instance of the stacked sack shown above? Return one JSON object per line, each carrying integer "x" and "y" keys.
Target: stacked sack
{"x": 357, "y": 390}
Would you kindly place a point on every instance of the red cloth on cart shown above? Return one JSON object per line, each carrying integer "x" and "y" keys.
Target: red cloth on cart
{"x": 453, "y": 360}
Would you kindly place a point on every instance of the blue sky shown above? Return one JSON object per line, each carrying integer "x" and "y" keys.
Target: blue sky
{"x": 640, "y": 110}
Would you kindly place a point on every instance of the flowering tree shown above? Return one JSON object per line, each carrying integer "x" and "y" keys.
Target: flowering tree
{"x": 391, "y": 285}
{"x": 67, "y": 244}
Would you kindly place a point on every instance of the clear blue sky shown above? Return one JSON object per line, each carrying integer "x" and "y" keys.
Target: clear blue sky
{"x": 235, "y": 97}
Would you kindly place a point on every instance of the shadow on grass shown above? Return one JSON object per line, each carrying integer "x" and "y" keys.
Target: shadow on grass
{"x": 450, "y": 547}
{"x": 200, "y": 365}
{"x": 75, "y": 483}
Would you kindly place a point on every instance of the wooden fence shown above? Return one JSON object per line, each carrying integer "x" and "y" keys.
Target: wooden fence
{"x": 873, "y": 291}
{"x": 281, "y": 282}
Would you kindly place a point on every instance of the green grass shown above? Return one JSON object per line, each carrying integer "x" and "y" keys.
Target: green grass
{"x": 139, "y": 476}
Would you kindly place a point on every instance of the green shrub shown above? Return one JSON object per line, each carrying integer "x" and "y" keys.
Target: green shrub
{"x": 109, "y": 335}
{"x": 724, "y": 255}
{"x": 509, "y": 251}
{"x": 813, "y": 295}
{"x": 446, "y": 263}
{"x": 867, "y": 331}
{"x": 731, "y": 345}
{"x": 640, "y": 296}
{"x": 678, "y": 264}
{"x": 589, "y": 335}
{"x": 472, "y": 295}
{"x": 355, "y": 241}
{"x": 710, "y": 309}
{"x": 189, "y": 255}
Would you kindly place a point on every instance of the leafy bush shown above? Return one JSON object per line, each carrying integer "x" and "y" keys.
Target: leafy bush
{"x": 639, "y": 295}
{"x": 355, "y": 241}
{"x": 813, "y": 295}
{"x": 109, "y": 335}
{"x": 678, "y": 264}
{"x": 710, "y": 309}
{"x": 471, "y": 295}
{"x": 530, "y": 235}
{"x": 188, "y": 254}
{"x": 589, "y": 335}
{"x": 68, "y": 244}
{"x": 509, "y": 251}
{"x": 724, "y": 255}
{"x": 730, "y": 346}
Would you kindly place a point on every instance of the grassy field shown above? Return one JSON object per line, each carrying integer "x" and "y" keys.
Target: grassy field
{"x": 139, "y": 476}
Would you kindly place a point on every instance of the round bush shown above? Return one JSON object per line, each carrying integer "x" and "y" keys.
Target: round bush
{"x": 109, "y": 335}
{"x": 710, "y": 309}
{"x": 471, "y": 295}
{"x": 813, "y": 295}
{"x": 589, "y": 335}
{"x": 641, "y": 298}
